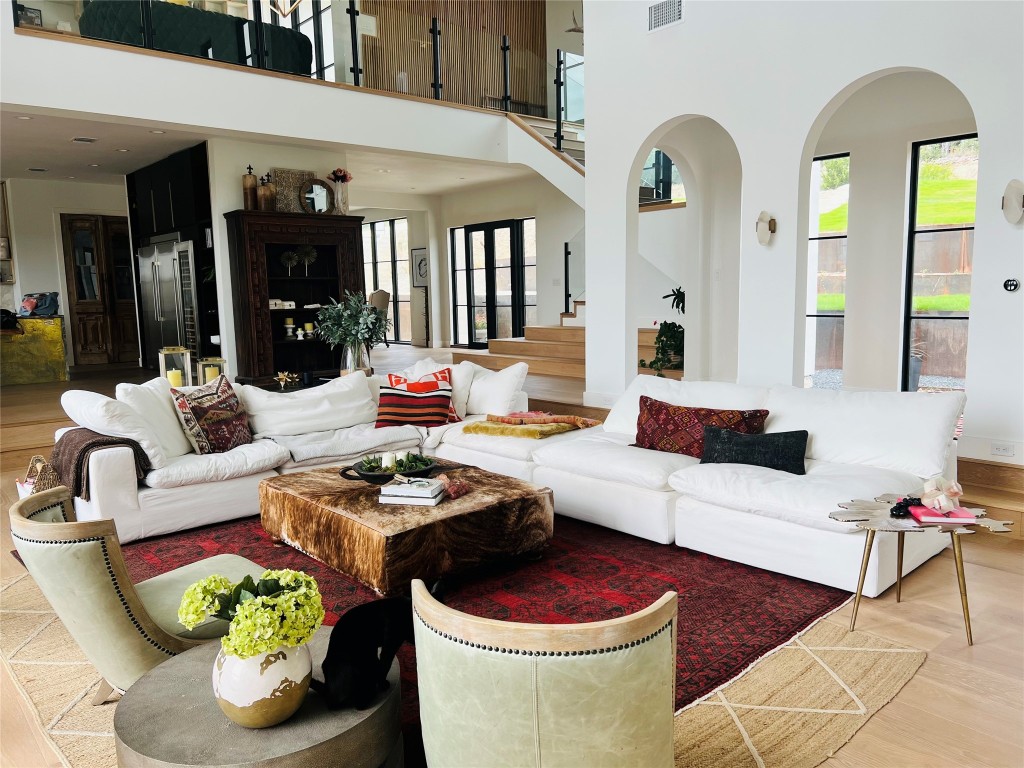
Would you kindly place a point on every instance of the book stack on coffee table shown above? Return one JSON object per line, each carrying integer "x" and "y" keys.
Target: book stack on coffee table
{"x": 419, "y": 491}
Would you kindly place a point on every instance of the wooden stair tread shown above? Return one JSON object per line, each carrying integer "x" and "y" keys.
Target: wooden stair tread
{"x": 989, "y": 497}
{"x": 567, "y": 333}
{"x": 547, "y": 366}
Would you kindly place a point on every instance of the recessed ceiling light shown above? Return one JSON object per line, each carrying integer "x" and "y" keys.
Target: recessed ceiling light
{"x": 84, "y": 140}
{"x": 158, "y": 131}
{"x": 94, "y": 165}
{"x": 38, "y": 170}
{"x": 383, "y": 170}
{"x": 412, "y": 187}
{"x": 24, "y": 117}
{"x": 462, "y": 178}
{"x": 71, "y": 177}
{"x": 123, "y": 150}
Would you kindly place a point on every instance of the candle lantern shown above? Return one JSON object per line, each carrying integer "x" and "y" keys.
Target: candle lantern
{"x": 210, "y": 368}
{"x": 176, "y": 365}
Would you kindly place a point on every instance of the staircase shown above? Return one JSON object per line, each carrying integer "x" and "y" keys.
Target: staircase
{"x": 572, "y": 142}
{"x": 549, "y": 350}
{"x": 577, "y": 318}
{"x": 997, "y": 488}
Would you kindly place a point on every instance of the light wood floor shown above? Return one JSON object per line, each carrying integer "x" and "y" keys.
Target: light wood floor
{"x": 965, "y": 707}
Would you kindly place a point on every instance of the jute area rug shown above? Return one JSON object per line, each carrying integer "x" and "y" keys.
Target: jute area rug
{"x": 792, "y": 708}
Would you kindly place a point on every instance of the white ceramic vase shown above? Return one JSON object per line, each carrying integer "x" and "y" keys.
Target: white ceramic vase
{"x": 263, "y": 690}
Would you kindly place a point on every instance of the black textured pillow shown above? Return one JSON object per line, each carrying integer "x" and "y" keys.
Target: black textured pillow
{"x": 774, "y": 450}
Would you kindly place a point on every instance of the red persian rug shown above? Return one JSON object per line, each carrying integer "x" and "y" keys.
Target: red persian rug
{"x": 729, "y": 614}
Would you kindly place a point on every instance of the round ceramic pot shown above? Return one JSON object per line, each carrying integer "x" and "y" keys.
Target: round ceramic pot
{"x": 262, "y": 690}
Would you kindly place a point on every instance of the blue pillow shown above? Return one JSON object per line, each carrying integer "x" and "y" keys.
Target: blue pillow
{"x": 774, "y": 450}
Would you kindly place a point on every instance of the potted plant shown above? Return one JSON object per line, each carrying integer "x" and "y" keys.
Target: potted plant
{"x": 916, "y": 363}
{"x": 669, "y": 343}
{"x": 355, "y": 325}
{"x": 263, "y": 669}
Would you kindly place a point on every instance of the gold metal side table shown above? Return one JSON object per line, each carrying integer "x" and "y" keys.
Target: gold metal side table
{"x": 873, "y": 516}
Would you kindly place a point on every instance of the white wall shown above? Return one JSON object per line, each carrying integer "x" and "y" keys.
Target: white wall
{"x": 772, "y": 76}
{"x": 35, "y": 206}
{"x": 877, "y": 125}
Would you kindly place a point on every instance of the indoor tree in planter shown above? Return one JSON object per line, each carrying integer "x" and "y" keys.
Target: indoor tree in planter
{"x": 356, "y": 326}
{"x": 669, "y": 343}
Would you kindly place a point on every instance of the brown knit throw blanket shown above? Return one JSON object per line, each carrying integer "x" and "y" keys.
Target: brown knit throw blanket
{"x": 70, "y": 458}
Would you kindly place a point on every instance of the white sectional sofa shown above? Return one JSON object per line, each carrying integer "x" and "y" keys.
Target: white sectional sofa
{"x": 861, "y": 444}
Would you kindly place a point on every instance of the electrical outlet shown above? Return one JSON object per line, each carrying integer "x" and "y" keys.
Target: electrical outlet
{"x": 1001, "y": 449}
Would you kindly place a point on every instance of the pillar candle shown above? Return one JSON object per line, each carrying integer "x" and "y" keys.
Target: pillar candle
{"x": 387, "y": 461}
{"x": 289, "y": 321}
{"x": 210, "y": 373}
{"x": 401, "y": 455}
{"x": 309, "y": 327}
{"x": 174, "y": 377}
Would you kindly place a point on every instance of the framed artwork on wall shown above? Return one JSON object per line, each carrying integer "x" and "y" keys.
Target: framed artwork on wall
{"x": 420, "y": 268}
{"x": 29, "y": 17}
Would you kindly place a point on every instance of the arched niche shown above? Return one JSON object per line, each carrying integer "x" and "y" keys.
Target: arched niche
{"x": 695, "y": 246}
{"x": 877, "y": 121}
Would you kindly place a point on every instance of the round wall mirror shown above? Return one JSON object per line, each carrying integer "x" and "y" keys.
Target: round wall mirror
{"x": 316, "y": 197}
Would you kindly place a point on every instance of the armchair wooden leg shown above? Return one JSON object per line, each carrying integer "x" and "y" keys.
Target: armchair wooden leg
{"x": 102, "y": 693}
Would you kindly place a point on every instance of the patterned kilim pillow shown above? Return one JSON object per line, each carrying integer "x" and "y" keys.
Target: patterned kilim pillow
{"x": 214, "y": 418}
{"x": 426, "y": 402}
{"x": 680, "y": 429}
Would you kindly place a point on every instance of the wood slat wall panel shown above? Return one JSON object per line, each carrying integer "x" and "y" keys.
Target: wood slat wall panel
{"x": 400, "y": 57}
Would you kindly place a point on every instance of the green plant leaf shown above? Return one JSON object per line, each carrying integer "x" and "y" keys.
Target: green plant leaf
{"x": 268, "y": 587}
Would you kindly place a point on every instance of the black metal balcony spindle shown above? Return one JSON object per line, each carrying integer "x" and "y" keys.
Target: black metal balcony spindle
{"x": 435, "y": 36}
{"x": 353, "y": 14}
{"x": 506, "y": 99}
{"x": 559, "y": 107}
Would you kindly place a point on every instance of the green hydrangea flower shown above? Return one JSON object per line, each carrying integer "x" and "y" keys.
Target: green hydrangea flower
{"x": 199, "y": 601}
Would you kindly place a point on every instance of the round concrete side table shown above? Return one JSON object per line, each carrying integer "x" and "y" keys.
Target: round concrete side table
{"x": 169, "y": 718}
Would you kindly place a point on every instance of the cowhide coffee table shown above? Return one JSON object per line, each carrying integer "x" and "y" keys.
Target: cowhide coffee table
{"x": 341, "y": 523}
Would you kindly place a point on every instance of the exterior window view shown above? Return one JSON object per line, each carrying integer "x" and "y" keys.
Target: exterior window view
{"x": 379, "y": 390}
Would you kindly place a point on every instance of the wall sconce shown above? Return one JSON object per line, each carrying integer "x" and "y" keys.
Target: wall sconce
{"x": 1013, "y": 201}
{"x": 765, "y": 228}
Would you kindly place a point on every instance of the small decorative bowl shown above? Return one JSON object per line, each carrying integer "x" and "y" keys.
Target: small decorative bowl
{"x": 380, "y": 478}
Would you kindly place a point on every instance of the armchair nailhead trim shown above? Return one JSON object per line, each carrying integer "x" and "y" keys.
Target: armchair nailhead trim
{"x": 113, "y": 580}
{"x": 517, "y": 651}
{"x": 60, "y": 504}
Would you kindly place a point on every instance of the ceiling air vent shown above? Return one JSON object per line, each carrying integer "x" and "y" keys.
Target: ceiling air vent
{"x": 37, "y": 170}
{"x": 664, "y": 14}
{"x": 84, "y": 140}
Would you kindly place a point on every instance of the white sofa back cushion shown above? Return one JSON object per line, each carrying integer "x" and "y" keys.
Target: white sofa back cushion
{"x": 153, "y": 402}
{"x": 342, "y": 402}
{"x": 906, "y": 431}
{"x": 697, "y": 394}
{"x": 496, "y": 392}
{"x": 109, "y": 417}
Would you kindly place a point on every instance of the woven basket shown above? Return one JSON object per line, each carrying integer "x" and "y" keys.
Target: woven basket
{"x": 40, "y": 475}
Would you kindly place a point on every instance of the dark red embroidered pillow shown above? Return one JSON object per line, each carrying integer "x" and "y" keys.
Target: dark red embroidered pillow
{"x": 214, "y": 418}
{"x": 423, "y": 403}
{"x": 680, "y": 429}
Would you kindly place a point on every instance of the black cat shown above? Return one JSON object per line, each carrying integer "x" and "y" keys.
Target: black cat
{"x": 363, "y": 645}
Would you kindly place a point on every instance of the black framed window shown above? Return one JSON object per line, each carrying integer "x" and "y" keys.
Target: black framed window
{"x": 826, "y": 271}
{"x": 494, "y": 280}
{"x": 660, "y": 181}
{"x": 940, "y": 262}
{"x": 386, "y": 266}
{"x": 314, "y": 19}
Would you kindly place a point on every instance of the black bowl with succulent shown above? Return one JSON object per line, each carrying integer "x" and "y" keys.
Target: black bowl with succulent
{"x": 371, "y": 469}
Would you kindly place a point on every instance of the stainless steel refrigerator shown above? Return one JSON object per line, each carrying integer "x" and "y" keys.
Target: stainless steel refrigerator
{"x": 168, "y": 298}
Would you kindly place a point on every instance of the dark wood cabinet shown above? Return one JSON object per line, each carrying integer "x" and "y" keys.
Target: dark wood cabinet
{"x": 101, "y": 289}
{"x": 257, "y": 241}
{"x": 170, "y": 195}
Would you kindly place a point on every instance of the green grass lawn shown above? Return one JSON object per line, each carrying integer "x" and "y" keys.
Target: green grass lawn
{"x": 940, "y": 201}
{"x": 953, "y": 302}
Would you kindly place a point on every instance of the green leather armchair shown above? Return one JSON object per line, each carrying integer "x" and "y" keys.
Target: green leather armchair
{"x": 495, "y": 693}
{"x": 124, "y": 629}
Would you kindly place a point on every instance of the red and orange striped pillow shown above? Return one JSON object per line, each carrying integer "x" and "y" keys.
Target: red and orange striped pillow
{"x": 426, "y": 402}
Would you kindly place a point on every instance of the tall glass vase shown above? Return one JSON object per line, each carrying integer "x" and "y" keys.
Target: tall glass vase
{"x": 354, "y": 358}
{"x": 341, "y": 198}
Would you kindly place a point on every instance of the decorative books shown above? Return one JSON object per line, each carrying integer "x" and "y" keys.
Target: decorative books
{"x": 415, "y": 487}
{"x": 960, "y": 516}
{"x": 415, "y": 501}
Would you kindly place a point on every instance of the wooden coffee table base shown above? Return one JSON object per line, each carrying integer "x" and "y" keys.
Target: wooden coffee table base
{"x": 341, "y": 523}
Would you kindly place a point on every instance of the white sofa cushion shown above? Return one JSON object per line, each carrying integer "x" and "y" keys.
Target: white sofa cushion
{"x": 153, "y": 402}
{"x": 109, "y": 417}
{"x": 905, "y": 431}
{"x": 496, "y": 391}
{"x": 697, "y": 394}
{"x": 340, "y": 445}
{"x": 519, "y": 448}
{"x": 257, "y": 456}
{"x": 609, "y": 456}
{"x": 339, "y": 403}
{"x": 801, "y": 499}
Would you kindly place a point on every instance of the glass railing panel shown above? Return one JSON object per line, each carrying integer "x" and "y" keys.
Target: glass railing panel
{"x": 573, "y": 98}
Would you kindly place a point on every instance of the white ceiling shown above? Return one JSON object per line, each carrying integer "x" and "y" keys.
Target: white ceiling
{"x": 45, "y": 141}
